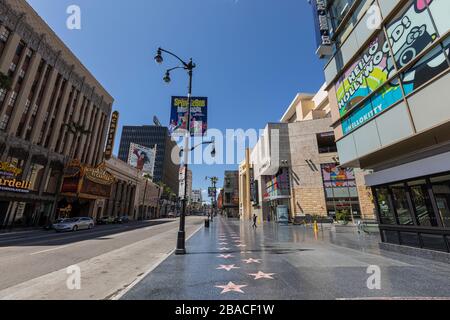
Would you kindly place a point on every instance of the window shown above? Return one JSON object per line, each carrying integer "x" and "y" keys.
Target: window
{"x": 401, "y": 204}
{"x": 385, "y": 208}
{"x": 4, "y": 35}
{"x": 2, "y": 94}
{"x": 4, "y": 122}
{"x": 326, "y": 142}
{"x": 422, "y": 203}
{"x": 12, "y": 67}
{"x": 441, "y": 190}
{"x": 431, "y": 65}
{"x": 12, "y": 99}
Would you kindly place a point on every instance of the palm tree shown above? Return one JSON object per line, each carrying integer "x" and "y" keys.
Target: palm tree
{"x": 77, "y": 130}
{"x": 5, "y": 81}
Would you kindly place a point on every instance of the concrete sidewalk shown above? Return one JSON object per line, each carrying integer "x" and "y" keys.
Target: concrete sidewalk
{"x": 231, "y": 261}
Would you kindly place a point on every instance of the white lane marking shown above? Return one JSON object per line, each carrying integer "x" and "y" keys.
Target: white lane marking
{"x": 53, "y": 249}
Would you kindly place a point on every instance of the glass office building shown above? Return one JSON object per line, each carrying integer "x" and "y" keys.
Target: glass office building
{"x": 388, "y": 78}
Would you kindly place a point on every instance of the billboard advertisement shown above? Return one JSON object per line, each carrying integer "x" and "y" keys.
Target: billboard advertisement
{"x": 111, "y": 135}
{"x": 142, "y": 158}
{"x": 199, "y": 116}
{"x": 410, "y": 32}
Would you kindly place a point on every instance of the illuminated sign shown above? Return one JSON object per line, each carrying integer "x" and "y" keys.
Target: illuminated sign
{"x": 10, "y": 182}
{"x": 111, "y": 135}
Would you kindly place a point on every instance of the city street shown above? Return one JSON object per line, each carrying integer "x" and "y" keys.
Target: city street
{"x": 110, "y": 257}
{"x": 231, "y": 261}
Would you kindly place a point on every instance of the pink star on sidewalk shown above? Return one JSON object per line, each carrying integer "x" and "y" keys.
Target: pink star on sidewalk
{"x": 231, "y": 287}
{"x": 241, "y": 245}
{"x": 224, "y": 249}
{"x": 262, "y": 275}
{"x": 225, "y": 256}
{"x": 251, "y": 260}
{"x": 223, "y": 243}
{"x": 227, "y": 267}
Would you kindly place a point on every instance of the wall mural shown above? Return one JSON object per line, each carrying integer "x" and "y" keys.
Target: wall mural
{"x": 409, "y": 34}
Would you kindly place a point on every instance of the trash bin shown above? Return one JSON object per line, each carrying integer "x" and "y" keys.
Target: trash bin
{"x": 207, "y": 223}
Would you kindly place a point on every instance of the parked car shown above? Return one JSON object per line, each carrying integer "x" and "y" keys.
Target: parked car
{"x": 74, "y": 224}
{"x": 105, "y": 220}
{"x": 122, "y": 219}
{"x": 171, "y": 215}
{"x": 51, "y": 226}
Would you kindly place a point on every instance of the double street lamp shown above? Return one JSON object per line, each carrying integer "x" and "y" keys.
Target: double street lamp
{"x": 189, "y": 67}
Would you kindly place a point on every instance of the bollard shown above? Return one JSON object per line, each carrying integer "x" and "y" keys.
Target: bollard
{"x": 207, "y": 223}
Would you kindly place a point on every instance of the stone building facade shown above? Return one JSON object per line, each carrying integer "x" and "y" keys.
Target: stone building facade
{"x": 51, "y": 93}
{"x": 295, "y": 165}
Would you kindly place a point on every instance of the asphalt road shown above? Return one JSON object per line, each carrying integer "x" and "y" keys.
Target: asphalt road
{"x": 31, "y": 257}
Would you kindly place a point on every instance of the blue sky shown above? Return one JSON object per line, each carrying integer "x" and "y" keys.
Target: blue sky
{"x": 253, "y": 56}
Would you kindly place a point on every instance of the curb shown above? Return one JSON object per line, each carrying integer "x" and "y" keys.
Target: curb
{"x": 123, "y": 292}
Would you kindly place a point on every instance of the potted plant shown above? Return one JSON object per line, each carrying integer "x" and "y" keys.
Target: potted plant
{"x": 343, "y": 217}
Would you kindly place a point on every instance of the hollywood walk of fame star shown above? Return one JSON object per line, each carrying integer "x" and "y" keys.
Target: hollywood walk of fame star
{"x": 223, "y": 243}
{"x": 231, "y": 287}
{"x": 224, "y": 249}
{"x": 251, "y": 260}
{"x": 241, "y": 245}
{"x": 227, "y": 267}
{"x": 262, "y": 275}
{"x": 225, "y": 256}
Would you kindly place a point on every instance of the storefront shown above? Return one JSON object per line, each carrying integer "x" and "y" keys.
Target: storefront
{"x": 276, "y": 194}
{"x": 341, "y": 191}
{"x": 27, "y": 192}
{"x": 416, "y": 212}
{"x": 84, "y": 190}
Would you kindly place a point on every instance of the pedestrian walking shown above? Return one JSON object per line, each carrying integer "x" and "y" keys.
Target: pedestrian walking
{"x": 255, "y": 218}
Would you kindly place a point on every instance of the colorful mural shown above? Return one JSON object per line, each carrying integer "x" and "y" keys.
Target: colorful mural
{"x": 411, "y": 32}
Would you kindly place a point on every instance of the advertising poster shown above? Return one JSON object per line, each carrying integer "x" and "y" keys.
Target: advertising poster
{"x": 335, "y": 176}
{"x": 410, "y": 33}
{"x": 142, "y": 158}
{"x": 199, "y": 116}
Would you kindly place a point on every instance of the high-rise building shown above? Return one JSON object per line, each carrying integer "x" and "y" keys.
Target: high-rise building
{"x": 166, "y": 170}
{"x": 388, "y": 79}
{"x": 53, "y": 111}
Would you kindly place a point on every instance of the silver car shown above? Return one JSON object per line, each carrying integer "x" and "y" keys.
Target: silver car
{"x": 74, "y": 224}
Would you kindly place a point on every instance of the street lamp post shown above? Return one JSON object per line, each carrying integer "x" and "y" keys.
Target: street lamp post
{"x": 189, "y": 66}
{"x": 214, "y": 181}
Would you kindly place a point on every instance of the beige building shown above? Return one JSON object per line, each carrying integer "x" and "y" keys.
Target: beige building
{"x": 295, "y": 166}
{"x": 50, "y": 91}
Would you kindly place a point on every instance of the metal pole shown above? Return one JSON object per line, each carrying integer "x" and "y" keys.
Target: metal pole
{"x": 181, "y": 248}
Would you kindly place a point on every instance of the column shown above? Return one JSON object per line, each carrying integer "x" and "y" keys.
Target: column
{"x": 25, "y": 91}
{"x": 37, "y": 127}
{"x": 33, "y": 101}
{"x": 9, "y": 52}
{"x": 59, "y": 118}
{"x": 94, "y": 137}
{"x": 5, "y": 152}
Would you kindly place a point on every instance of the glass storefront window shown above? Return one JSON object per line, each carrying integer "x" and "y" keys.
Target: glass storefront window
{"x": 401, "y": 204}
{"x": 422, "y": 203}
{"x": 441, "y": 190}
{"x": 386, "y": 211}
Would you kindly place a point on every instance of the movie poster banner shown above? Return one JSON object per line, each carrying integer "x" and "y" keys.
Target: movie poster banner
{"x": 142, "y": 158}
{"x": 199, "y": 116}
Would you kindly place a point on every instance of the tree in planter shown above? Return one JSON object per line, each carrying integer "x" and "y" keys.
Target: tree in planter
{"x": 343, "y": 216}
